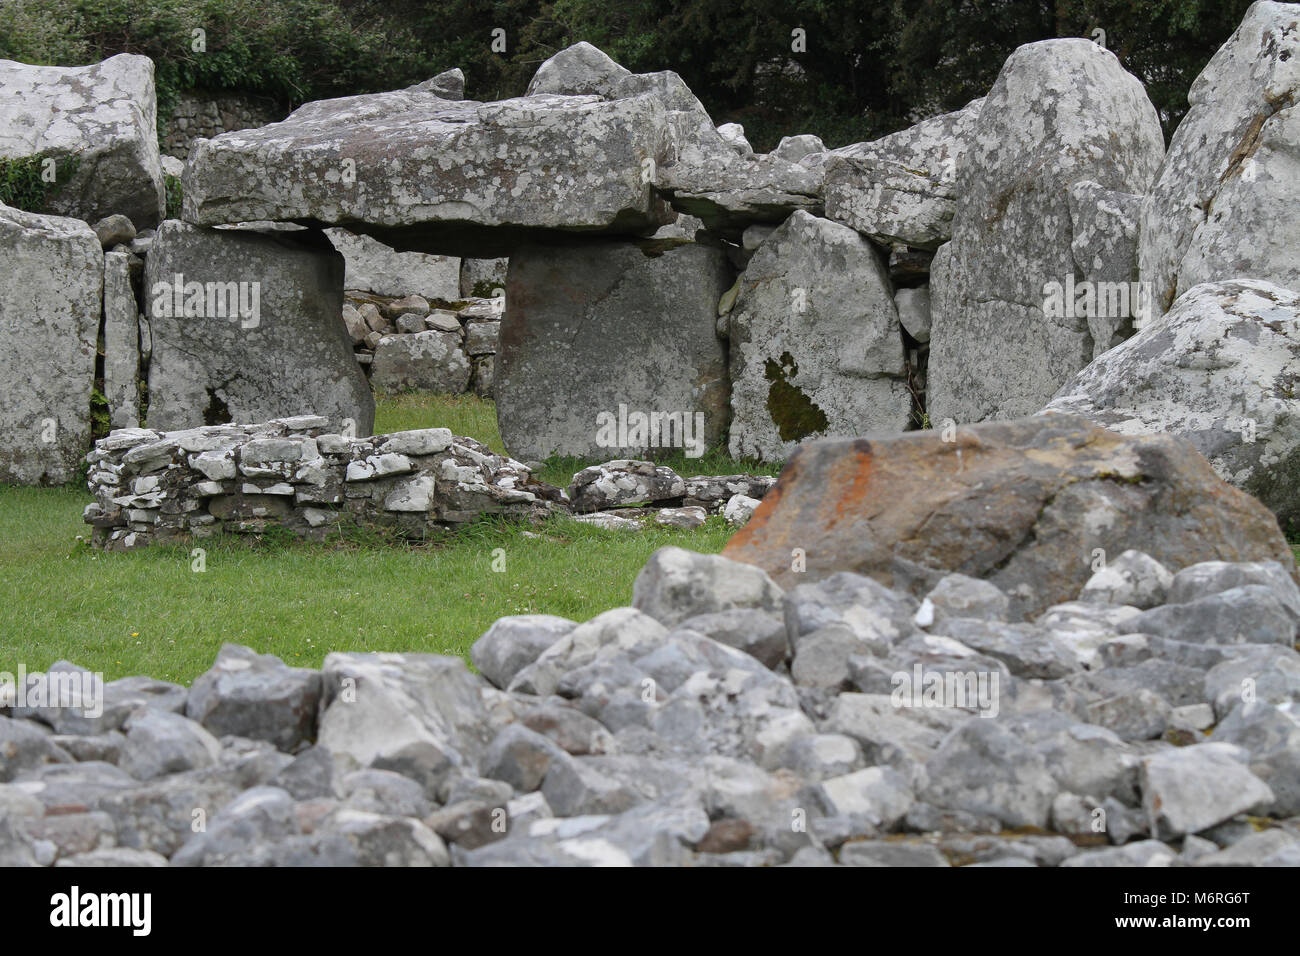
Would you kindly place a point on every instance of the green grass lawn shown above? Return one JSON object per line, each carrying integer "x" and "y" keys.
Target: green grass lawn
{"x": 148, "y": 612}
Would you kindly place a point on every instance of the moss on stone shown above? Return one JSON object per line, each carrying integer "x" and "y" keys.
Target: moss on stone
{"x": 796, "y": 415}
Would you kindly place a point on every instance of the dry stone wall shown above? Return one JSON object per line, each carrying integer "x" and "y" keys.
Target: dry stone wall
{"x": 297, "y": 474}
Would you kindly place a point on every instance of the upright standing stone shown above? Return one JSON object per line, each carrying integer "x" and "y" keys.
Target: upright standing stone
{"x": 601, "y": 333}
{"x": 246, "y": 327}
{"x": 104, "y": 117}
{"x": 51, "y": 282}
{"x": 816, "y": 348}
{"x": 121, "y": 343}
{"x": 1223, "y": 206}
{"x": 1061, "y": 111}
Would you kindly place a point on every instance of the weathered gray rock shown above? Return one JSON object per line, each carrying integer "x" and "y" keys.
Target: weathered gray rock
{"x": 268, "y": 340}
{"x": 419, "y": 172}
{"x": 879, "y": 853}
{"x": 160, "y": 743}
{"x": 121, "y": 343}
{"x": 576, "y": 70}
{"x": 482, "y": 338}
{"x": 374, "y": 267}
{"x": 105, "y": 115}
{"x": 449, "y": 84}
{"x": 1135, "y": 579}
{"x": 521, "y": 757}
{"x": 1215, "y": 577}
{"x": 677, "y": 584}
{"x": 117, "y": 856}
{"x": 734, "y": 136}
{"x": 903, "y": 187}
{"x": 1104, "y": 223}
{"x": 914, "y": 311}
{"x": 804, "y": 148}
{"x": 760, "y": 634}
{"x": 23, "y": 746}
{"x": 50, "y": 289}
{"x": 1266, "y": 848}
{"x": 1271, "y": 735}
{"x": 1209, "y": 371}
{"x": 598, "y": 338}
{"x": 628, "y": 627}
{"x": 257, "y": 816}
{"x": 1028, "y": 650}
{"x": 426, "y": 361}
{"x": 1190, "y": 789}
{"x": 484, "y": 278}
{"x": 382, "y": 791}
{"x": 1215, "y": 212}
{"x": 514, "y": 642}
{"x": 959, "y": 596}
{"x": 983, "y": 768}
{"x": 623, "y": 482}
{"x": 1141, "y": 853}
{"x": 1137, "y": 715}
{"x": 310, "y": 776}
{"x": 416, "y": 714}
{"x": 1251, "y": 614}
{"x": 739, "y": 509}
{"x": 816, "y": 348}
{"x": 1061, "y": 112}
{"x": 876, "y": 616}
{"x": 1268, "y": 673}
{"x": 257, "y": 696}
{"x": 113, "y": 230}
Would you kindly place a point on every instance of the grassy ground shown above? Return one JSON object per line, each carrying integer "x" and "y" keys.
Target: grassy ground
{"x": 150, "y": 612}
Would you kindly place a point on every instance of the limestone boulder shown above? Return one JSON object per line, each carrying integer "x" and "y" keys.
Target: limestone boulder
{"x": 902, "y": 187}
{"x": 121, "y": 343}
{"x": 428, "y": 361}
{"x": 1025, "y": 505}
{"x": 598, "y": 337}
{"x": 374, "y": 267}
{"x": 816, "y": 347}
{"x": 1061, "y": 112}
{"x": 421, "y": 173}
{"x": 246, "y": 327}
{"x": 1218, "y": 370}
{"x": 98, "y": 121}
{"x": 1221, "y": 205}
{"x": 51, "y": 285}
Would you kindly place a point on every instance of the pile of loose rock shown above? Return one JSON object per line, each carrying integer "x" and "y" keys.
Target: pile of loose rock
{"x": 719, "y": 721}
{"x": 296, "y": 474}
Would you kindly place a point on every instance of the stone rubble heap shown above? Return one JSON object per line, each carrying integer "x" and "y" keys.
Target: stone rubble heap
{"x": 152, "y": 487}
{"x": 721, "y": 720}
